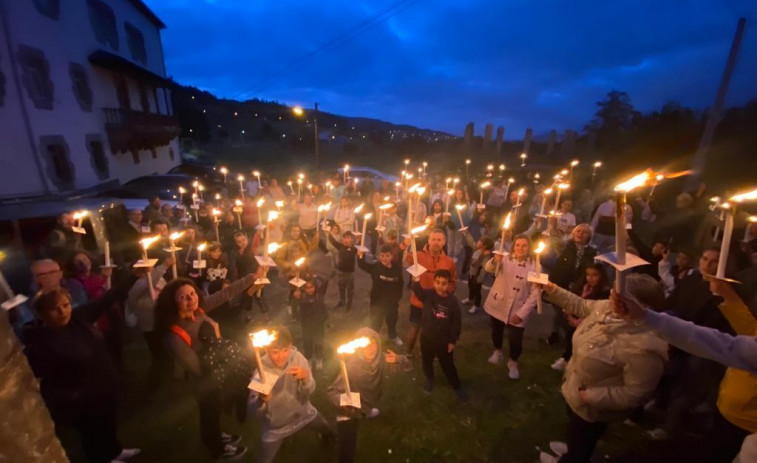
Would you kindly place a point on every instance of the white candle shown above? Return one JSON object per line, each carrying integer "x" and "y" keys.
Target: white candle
{"x": 620, "y": 239}
{"x": 365, "y": 224}
{"x": 6, "y": 287}
{"x": 545, "y": 194}
{"x": 460, "y": 207}
{"x": 240, "y": 179}
{"x": 726, "y": 244}
{"x": 107, "y": 263}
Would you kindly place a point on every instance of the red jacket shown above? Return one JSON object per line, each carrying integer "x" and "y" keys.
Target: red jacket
{"x": 432, "y": 264}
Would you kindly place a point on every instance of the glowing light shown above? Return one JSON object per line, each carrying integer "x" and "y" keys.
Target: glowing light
{"x": 638, "y": 180}
{"x": 147, "y": 242}
{"x": 298, "y": 111}
{"x": 352, "y": 346}
{"x": 299, "y": 262}
{"x": 263, "y": 338}
{"x": 540, "y": 247}
{"x": 748, "y": 196}
{"x": 417, "y": 230}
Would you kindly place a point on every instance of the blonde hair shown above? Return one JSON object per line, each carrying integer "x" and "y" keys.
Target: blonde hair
{"x": 646, "y": 289}
{"x": 585, "y": 226}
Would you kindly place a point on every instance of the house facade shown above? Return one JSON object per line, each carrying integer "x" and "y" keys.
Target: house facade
{"x": 84, "y": 98}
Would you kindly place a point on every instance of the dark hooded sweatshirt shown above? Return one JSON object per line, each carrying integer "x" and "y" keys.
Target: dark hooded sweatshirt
{"x": 441, "y": 321}
{"x": 387, "y": 282}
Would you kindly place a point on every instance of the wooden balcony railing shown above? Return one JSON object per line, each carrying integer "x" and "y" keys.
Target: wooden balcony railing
{"x": 129, "y": 131}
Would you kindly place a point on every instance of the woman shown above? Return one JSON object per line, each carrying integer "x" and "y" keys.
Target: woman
{"x": 365, "y": 370}
{"x": 78, "y": 380}
{"x": 180, "y": 311}
{"x": 81, "y": 268}
{"x": 216, "y": 267}
{"x": 344, "y": 215}
{"x": 277, "y": 194}
{"x": 511, "y": 301}
{"x": 593, "y": 286}
{"x": 615, "y": 367}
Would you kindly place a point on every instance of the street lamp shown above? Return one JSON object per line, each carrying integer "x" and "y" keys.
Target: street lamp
{"x": 299, "y": 112}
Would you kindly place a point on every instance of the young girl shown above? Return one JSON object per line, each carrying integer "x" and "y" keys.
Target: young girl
{"x": 287, "y": 409}
{"x": 344, "y": 215}
{"x": 217, "y": 266}
{"x": 511, "y": 301}
{"x": 365, "y": 370}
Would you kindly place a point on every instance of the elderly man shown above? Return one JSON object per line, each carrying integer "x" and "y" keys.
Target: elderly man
{"x": 48, "y": 277}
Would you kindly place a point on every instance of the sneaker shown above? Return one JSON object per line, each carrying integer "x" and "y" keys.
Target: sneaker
{"x": 559, "y": 364}
{"x": 428, "y": 386}
{"x": 232, "y": 452}
{"x": 397, "y": 341}
{"x": 466, "y": 301}
{"x": 406, "y": 361}
{"x": 127, "y": 453}
{"x": 512, "y": 369}
{"x": 231, "y": 439}
{"x": 657, "y": 434}
{"x": 496, "y": 357}
{"x": 545, "y": 457}
{"x": 558, "y": 448}
{"x": 462, "y": 395}
{"x": 474, "y": 309}
{"x": 373, "y": 413}
{"x": 318, "y": 364}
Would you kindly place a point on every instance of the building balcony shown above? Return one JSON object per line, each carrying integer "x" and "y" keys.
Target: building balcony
{"x": 129, "y": 131}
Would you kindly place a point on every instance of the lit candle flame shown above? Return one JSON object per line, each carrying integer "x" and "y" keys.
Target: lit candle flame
{"x": 352, "y": 346}
{"x": 299, "y": 262}
{"x": 260, "y": 202}
{"x": 240, "y": 178}
{"x": 359, "y": 208}
{"x": 147, "y": 242}
{"x": 367, "y": 216}
{"x": 299, "y": 181}
{"x": 238, "y": 202}
{"x": 540, "y": 247}
{"x": 417, "y": 230}
{"x": 263, "y": 338}
{"x": 273, "y": 247}
{"x": 598, "y": 164}
{"x": 564, "y": 172}
{"x": 201, "y": 247}
{"x": 301, "y": 175}
{"x": 574, "y": 163}
{"x": 176, "y": 235}
{"x": 510, "y": 180}
{"x": 256, "y": 173}
{"x": 279, "y": 204}
{"x": 459, "y": 207}
{"x": 182, "y": 190}
{"x": 486, "y": 185}
{"x": 195, "y": 183}
{"x": 273, "y": 215}
{"x": 563, "y": 186}
{"x": 506, "y": 225}
{"x": 216, "y": 211}
{"x": 748, "y": 196}
{"x": 638, "y": 180}
{"x": 80, "y": 215}
{"x": 224, "y": 170}
{"x": 548, "y": 191}
{"x": 420, "y": 191}
{"x": 386, "y": 206}
{"x": 414, "y": 187}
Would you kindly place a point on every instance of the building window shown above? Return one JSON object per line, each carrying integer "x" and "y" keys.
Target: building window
{"x": 122, "y": 91}
{"x": 80, "y": 86}
{"x": 60, "y": 170}
{"x": 49, "y": 8}
{"x": 97, "y": 158}
{"x": 103, "y": 22}
{"x": 136, "y": 42}
{"x": 35, "y": 74}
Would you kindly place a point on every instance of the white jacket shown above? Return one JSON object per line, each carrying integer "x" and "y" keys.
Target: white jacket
{"x": 511, "y": 294}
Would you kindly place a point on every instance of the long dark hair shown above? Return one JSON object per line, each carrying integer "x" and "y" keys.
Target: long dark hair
{"x": 603, "y": 285}
{"x": 166, "y": 311}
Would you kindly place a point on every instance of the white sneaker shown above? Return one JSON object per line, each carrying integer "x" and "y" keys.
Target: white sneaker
{"x": 127, "y": 453}
{"x": 657, "y": 434}
{"x": 558, "y": 448}
{"x": 544, "y": 457}
{"x": 373, "y": 413}
{"x": 496, "y": 357}
{"x": 559, "y": 364}
{"x": 474, "y": 309}
{"x": 232, "y": 452}
{"x": 397, "y": 341}
{"x": 466, "y": 301}
{"x": 512, "y": 369}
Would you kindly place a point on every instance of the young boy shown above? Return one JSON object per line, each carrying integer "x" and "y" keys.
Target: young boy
{"x": 312, "y": 319}
{"x": 398, "y": 249}
{"x": 386, "y": 290}
{"x": 345, "y": 269}
{"x": 482, "y": 252}
{"x": 287, "y": 409}
{"x": 440, "y": 330}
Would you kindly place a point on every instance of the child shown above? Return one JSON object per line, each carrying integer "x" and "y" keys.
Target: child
{"x": 483, "y": 249}
{"x": 225, "y": 369}
{"x": 386, "y": 291}
{"x": 312, "y": 319}
{"x": 335, "y": 232}
{"x": 365, "y": 369}
{"x": 345, "y": 269}
{"x": 398, "y": 249}
{"x": 440, "y": 330}
{"x": 287, "y": 409}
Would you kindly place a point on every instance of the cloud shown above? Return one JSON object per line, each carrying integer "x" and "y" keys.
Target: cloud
{"x": 442, "y": 63}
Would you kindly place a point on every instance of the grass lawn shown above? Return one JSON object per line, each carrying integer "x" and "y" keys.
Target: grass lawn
{"x": 504, "y": 421}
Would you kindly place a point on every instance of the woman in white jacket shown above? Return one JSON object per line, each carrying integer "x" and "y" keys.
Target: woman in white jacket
{"x": 511, "y": 301}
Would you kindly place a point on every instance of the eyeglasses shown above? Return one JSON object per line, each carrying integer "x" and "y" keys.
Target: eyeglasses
{"x": 47, "y": 274}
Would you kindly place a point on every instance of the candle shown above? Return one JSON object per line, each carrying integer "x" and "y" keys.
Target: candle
{"x": 726, "y": 243}
{"x": 410, "y": 206}
{"x": 523, "y": 157}
{"x": 383, "y": 208}
{"x": 146, "y": 242}
{"x": 596, "y": 165}
{"x": 425, "y": 164}
{"x": 481, "y": 192}
{"x": 201, "y": 188}
{"x": 573, "y": 164}
{"x": 196, "y": 186}
{"x": 238, "y": 209}
{"x": 365, "y": 223}
{"x": 467, "y": 165}
{"x": 620, "y": 224}
{"x": 346, "y": 172}
{"x": 290, "y": 186}
{"x": 200, "y": 248}
{"x": 355, "y": 212}
{"x": 544, "y": 196}
{"x": 510, "y": 181}
{"x": 216, "y": 219}
{"x": 350, "y": 348}
{"x": 505, "y": 227}
{"x": 299, "y": 189}
{"x": 560, "y": 187}
{"x": 257, "y": 174}
{"x": 79, "y": 217}
{"x": 658, "y": 179}
{"x": 459, "y": 208}
{"x": 450, "y": 193}
{"x": 446, "y": 183}
{"x": 272, "y": 215}
{"x": 397, "y": 190}
{"x": 240, "y": 179}
{"x": 224, "y": 171}
{"x": 413, "y": 247}
{"x": 259, "y": 205}
{"x": 107, "y": 262}
{"x": 172, "y": 239}
{"x": 537, "y": 269}
{"x": 181, "y": 194}
{"x": 298, "y": 263}
{"x": 260, "y": 339}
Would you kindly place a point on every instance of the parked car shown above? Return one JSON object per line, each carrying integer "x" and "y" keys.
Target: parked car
{"x": 369, "y": 172}
{"x": 202, "y": 172}
{"x": 165, "y": 186}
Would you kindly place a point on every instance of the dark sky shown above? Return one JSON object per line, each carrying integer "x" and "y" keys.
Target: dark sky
{"x": 440, "y": 64}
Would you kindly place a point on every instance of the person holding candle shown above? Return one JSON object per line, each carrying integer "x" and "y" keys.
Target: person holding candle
{"x": 312, "y": 319}
{"x": 242, "y": 262}
{"x": 62, "y": 239}
{"x": 345, "y": 269}
{"x": 287, "y": 409}
{"x": 603, "y": 224}
{"x": 78, "y": 380}
{"x": 483, "y": 250}
{"x": 180, "y": 311}
{"x": 152, "y": 210}
{"x": 344, "y": 215}
{"x": 511, "y": 301}
{"x": 440, "y": 330}
{"x": 616, "y": 364}
{"x": 217, "y": 266}
{"x": 308, "y": 216}
{"x": 433, "y": 258}
{"x": 365, "y": 372}
{"x": 386, "y": 290}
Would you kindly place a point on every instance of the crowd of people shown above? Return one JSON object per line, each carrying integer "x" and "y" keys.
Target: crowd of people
{"x": 674, "y": 342}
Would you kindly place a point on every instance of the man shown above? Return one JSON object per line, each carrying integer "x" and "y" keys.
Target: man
{"x": 242, "y": 262}
{"x": 152, "y": 210}
{"x": 308, "y": 216}
{"x": 166, "y": 214}
{"x": 49, "y": 277}
{"x": 689, "y": 381}
{"x": 433, "y": 258}
{"x": 62, "y": 240}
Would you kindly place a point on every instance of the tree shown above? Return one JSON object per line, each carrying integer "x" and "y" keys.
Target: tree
{"x": 615, "y": 115}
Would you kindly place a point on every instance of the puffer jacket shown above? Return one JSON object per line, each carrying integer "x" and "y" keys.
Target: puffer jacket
{"x": 511, "y": 293}
{"x": 619, "y": 363}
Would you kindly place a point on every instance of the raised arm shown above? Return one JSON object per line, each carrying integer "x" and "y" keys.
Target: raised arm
{"x": 220, "y": 297}
{"x": 92, "y": 310}
{"x": 571, "y": 303}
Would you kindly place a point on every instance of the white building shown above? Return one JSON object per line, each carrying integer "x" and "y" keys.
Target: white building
{"x": 84, "y": 98}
